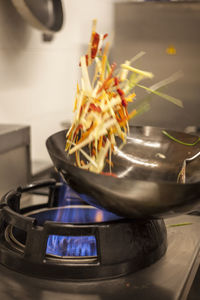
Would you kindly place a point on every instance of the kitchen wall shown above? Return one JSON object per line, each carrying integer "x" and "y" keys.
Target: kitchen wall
{"x": 37, "y": 79}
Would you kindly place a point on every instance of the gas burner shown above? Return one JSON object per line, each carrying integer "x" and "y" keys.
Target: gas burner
{"x": 62, "y": 240}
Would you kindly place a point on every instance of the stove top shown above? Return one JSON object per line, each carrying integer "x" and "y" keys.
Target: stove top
{"x": 170, "y": 277}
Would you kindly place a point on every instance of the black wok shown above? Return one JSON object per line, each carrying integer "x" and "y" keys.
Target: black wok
{"x": 147, "y": 169}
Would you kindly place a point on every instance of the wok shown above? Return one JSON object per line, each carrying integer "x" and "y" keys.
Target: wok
{"x": 147, "y": 169}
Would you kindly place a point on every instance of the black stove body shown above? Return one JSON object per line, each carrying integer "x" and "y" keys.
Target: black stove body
{"x": 61, "y": 247}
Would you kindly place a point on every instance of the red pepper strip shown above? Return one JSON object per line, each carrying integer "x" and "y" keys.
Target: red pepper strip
{"x": 121, "y": 93}
{"x": 109, "y": 174}
{"x": 95, "y": 43}
{"x": 116, "y": 81}
{"x": 124, "y": 103}
{"x": 82, "y": 109}
{"x": 113, "y": 66}
{"x": 86, "y": 60}
{"x": 105, "y": 36}
{"x": 94, "y": 108}
{"x": 94, "y": 47}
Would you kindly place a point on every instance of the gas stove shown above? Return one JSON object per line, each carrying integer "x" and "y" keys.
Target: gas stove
{"x": 54, "y": 245}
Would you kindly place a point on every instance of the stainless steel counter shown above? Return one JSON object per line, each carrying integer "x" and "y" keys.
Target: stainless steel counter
{"x": 15, "y": 163}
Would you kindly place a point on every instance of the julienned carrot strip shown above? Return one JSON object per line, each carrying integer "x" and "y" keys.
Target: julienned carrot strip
{"x": 82, "y": 163}
{"x": 106, "y": 84}
{"x": 132, "y": 114}
{"x": 86, "y": 134}
{"x": 103, "y": 67}
{"x": 123, "y": 123}
{"x": 121, "y": 113}
{"x": 100, "y": 143}
{"x": 109, "y": 162}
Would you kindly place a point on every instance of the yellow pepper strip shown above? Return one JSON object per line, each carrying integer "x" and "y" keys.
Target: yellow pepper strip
{"x": 75, "y": 103}
{"x": 130, "y": 97}
{"x": 103, "y": 62}
{"x": 69, "y": 136}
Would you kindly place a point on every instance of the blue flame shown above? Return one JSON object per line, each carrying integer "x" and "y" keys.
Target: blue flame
{"x": 71, "y": 245}
{"x": 74, "y": 214}
{"x": 74, "y": 245}
{"x": 72, "y": 210}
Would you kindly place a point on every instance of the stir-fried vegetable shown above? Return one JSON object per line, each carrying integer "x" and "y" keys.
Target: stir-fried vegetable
{"x": 180, "y": 142}
{"x": 101, "y": 106}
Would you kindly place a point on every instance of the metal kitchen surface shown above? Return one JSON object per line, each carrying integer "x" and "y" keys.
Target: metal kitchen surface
{"x": 14, "y": 152}
{"x": 169, "y": 278}
{"x": 168, "y": 31}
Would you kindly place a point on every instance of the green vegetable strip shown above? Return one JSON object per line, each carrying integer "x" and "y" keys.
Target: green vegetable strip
{"x": 162, "y": 95}
{"x": 108, "y": 66}
{"x": 178, "y": 141}
{"x": 180, "y": 224}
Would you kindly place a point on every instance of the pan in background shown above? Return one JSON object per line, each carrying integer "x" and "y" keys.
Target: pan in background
{"x": 147, "y": 169}
{"x": 45, "y": 15}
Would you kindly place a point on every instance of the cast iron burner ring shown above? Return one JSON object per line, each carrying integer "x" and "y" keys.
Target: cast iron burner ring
{"x": 83, "y": 214}
{"x": 94, "y": 245}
